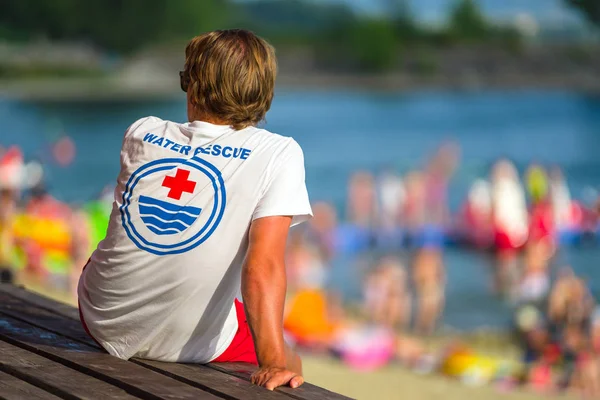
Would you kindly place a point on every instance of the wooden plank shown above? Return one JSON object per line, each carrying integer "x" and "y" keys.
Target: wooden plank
{"x": 13, "y": 388}
{"x": 132, "y": 378}
{"x": 212, "y": 380}
{"x": 54, "y": 377}
{"x": 304, "y": 392}
{"x": 201, "y": 376}
{"x": 40, "y": 301}
{"x": 42, "y": 318}
{"x": 74, "y": 331}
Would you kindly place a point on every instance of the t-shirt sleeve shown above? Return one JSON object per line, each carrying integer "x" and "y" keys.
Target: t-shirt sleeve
{"x": 286, "y": 194}
{"x": 138, "y": 124}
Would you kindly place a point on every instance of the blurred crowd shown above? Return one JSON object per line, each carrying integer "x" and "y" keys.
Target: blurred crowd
{"x": 44, "y": 242}
{"x": 403, "y": 224}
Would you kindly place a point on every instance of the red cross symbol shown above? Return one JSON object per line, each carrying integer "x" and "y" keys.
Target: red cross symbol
{"x": 179, "y": 184}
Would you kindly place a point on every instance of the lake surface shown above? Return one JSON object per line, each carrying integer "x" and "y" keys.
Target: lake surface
{"x": 342, "y": 131}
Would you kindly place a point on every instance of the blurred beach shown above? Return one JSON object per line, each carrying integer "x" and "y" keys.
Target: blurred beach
{"x": 345, "y": 131}
{"x": 397, "y": 383}
{"x": 451, "y": 154}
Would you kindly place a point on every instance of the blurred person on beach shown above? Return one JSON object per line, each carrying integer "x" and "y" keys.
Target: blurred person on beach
{"x": 425, "y": 205}
{"x": 592, "y": 373}
{"x": 391, "y": 194}
{"x": 541, "y": 219}
{"x": 536, "y": 181}
{"x": 50, "y": 241}
{"x": 566, "y": 213}
{"x": 540, "y": 353}
{"x": 414, "y": 205}
{"x": 11, "y": 170}
{"x": 570, "y": 301}
{"x": 571, "y": 313}
{"x": 317, "y": 322}
{"x": 170, "y": 292}
{"x": 387, "y": 298}
{"x": 305, "y": 265}
{"x": 429, "y": 280}
{"x": 580, "y": 365}
{"x": 362, "y": 200}
{"x": 559, "y": 348}
{"x": 510, "y": 222}
{"x": 534, "y": 285}
{"x": 475, "y": 222}
{"x": 428, "y": 271}
{"x": 322, "y": 229}
{"x": 541, "y": 242}
{"x": 357, "y": 234}
{"x": 438, "y": 173}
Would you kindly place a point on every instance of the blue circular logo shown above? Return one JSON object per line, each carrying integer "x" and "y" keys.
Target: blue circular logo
{"x": 163, "y": 221}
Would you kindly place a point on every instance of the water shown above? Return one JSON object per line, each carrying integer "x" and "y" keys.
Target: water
{"x": 342, "y": 131}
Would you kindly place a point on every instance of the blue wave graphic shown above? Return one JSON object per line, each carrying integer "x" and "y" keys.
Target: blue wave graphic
{"x": 164, "y": 218}
{"x": 166, "y": 215}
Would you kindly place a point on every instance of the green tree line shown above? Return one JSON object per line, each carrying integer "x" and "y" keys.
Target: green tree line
{"x": 339, "y": 37}
{"x": 113, "y": 25}
{"x": 589, "y": 8}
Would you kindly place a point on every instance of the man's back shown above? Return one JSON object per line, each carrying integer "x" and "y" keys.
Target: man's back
{"x": 162, "y": 284}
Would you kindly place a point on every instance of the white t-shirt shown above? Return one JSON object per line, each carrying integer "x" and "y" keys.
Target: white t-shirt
{"x": 162, "y": 284}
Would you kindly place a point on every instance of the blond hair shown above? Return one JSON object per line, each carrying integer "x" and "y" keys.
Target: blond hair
{"x": 230, "y": 75}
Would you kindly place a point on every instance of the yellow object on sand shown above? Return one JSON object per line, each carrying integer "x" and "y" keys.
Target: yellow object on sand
{"x": 473, "y": 368}
{"x": 466, "y": 362}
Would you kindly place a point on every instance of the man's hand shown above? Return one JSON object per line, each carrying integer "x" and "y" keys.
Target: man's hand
{"x": 273, "y": 377}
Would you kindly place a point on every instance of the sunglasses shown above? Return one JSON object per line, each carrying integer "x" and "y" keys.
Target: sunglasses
{"x": 184, "y": 81}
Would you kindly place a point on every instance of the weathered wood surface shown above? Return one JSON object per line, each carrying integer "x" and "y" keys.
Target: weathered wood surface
{"x": 54, "y": 378}
{"x": 46, "y": 354}
{"x": 13, "y": 388}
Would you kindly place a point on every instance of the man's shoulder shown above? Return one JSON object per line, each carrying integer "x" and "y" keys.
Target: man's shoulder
{"x": 275, "y": 140}
{"x": 147, "y": 123}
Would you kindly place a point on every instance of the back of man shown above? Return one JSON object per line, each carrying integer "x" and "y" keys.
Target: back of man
{"x": 164, "y": 282}
{"x": 169, "y": 269}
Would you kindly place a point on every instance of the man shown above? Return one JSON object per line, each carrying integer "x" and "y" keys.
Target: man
{"x": 201, "y": 210}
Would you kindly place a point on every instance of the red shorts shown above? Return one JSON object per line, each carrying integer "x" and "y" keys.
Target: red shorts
{"x": 242, "y": 347}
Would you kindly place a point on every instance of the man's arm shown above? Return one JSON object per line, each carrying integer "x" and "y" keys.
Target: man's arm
{"x": 263, "y": 290}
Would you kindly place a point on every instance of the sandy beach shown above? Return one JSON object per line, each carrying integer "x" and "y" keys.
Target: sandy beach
{"x": 395, "y": 382}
